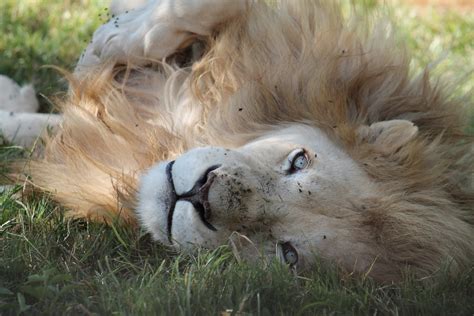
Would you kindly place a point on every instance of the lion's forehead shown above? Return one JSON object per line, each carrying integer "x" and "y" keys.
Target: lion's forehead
{"x": 291, "y": 136}
{"x": 276, "y": 144}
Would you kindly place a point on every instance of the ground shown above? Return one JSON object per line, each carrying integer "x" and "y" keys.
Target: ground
{"x": 49, "y": 265}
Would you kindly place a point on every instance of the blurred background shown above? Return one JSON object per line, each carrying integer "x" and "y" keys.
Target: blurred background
{"x": 35, "y": 33}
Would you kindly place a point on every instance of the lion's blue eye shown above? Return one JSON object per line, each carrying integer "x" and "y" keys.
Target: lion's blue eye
{"x": 300, "y": 161}
{"x": 297, "y": 160}
{"x": 289, "y": 253}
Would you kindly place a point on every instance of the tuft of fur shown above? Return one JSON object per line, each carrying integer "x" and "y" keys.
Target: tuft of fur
{"x": 297, "y": 61}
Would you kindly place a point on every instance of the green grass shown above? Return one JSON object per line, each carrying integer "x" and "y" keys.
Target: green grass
{"x": 49, "y": 265}
{"x": 38, "y": 33}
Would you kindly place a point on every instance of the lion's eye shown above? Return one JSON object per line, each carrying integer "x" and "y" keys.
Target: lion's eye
{"x": 290, "y": 255}
{"x": 298, "y": 160}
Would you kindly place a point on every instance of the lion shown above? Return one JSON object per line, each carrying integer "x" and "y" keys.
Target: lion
{"x": 19, "y": 122}
{"x": 283, "y": 129}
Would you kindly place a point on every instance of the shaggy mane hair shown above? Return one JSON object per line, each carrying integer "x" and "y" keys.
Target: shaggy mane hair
{"x": 300, "y": 61}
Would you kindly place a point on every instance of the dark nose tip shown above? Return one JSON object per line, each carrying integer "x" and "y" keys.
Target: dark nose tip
{"x": 198, "y": 196}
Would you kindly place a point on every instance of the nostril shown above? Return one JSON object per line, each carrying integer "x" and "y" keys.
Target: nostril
{"x": 202, "y": 193}
{"x": 205, "y": 178}
{"x": 198, "y": 196}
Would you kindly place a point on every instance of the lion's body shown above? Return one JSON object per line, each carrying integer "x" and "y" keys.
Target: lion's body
{"x": 298, "y": 63}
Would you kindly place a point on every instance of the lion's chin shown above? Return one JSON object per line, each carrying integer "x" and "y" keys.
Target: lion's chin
{"x": 155, "y": 197}
{"x": 188, "y": 230}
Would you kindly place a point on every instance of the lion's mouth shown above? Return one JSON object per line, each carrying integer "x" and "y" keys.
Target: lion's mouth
{"x": 197, "y": 196}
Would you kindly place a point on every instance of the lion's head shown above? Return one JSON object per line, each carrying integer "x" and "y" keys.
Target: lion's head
{"x": 291, "y": 192}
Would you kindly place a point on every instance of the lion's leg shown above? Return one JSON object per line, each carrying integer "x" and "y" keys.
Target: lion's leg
{"x": 156, "y": 30}
{"x": 14, "y": 98}
{"x": 19, "y": 122}
{"x": 24, "y": 128}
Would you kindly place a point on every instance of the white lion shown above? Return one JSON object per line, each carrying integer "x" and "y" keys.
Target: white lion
{"x": 282, "y": 130}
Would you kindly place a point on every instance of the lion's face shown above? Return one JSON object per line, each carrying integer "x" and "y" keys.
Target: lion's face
{"x": 290, "y": 192}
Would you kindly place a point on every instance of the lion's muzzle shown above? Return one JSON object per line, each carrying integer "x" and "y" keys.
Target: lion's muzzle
{"x": 198, "y": 196}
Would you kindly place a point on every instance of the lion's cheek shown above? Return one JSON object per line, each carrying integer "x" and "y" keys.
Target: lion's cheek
{"x": 229, "y": 199}
{"x": 332, "y": 239}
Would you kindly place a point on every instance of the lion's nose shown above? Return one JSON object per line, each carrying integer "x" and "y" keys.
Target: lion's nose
{"x": 198, "y": 196}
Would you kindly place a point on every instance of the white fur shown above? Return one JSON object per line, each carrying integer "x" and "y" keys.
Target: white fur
{"x": 154, "y": 216}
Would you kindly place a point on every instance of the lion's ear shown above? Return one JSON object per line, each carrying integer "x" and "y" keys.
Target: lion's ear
{"x": 388, "y": 136}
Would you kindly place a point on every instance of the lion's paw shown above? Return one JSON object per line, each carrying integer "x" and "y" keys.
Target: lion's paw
{"x": 156, "y": 30}
{"x": 14, "y": 98}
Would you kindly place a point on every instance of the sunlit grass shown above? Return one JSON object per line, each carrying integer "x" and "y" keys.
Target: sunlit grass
{"x": 38, "y": 33}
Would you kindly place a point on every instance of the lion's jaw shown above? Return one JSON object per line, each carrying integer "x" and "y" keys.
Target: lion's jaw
{"x": 253, "y": 192}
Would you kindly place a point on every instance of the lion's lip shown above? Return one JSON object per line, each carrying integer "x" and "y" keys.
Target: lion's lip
{"x": 172, "y": 201}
